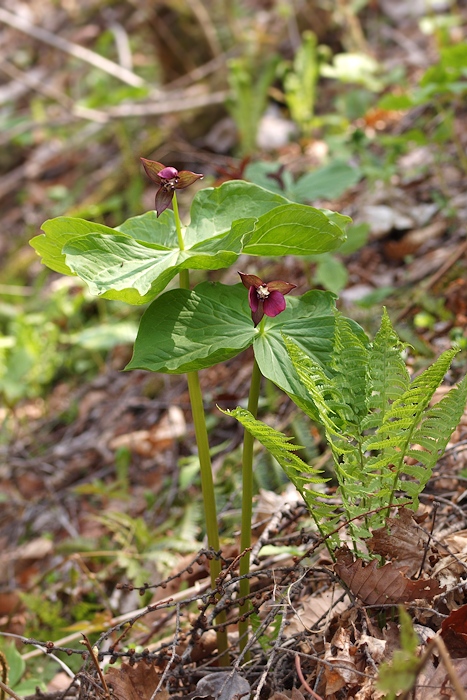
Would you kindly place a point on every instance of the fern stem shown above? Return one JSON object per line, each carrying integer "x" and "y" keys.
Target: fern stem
{"x": 247, "y": 506}
{"x": 207, "y": 482}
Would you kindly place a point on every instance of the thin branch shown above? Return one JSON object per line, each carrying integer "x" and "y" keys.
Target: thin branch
{"x": 75, "y": 50}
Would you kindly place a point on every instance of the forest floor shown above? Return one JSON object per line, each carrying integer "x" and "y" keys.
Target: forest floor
{"x": 101, "y": 533}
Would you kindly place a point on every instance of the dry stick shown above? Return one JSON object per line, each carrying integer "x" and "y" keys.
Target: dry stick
{"x": 34, "y": 83}
{"x": 427, "y": 543}
{"x": 303, "y": 681}
{"x": 75, "y": 50}
{"x": 9, "y": 691}
{"x": 179, "y": 102}
{"x": 95, "y": 661}
{"x": 180, "y": 596}
{"x": 436, "y": 277}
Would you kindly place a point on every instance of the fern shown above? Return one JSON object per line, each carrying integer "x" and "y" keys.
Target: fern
{"x": 301, "y": 474}
{"x": 384, "y": 437}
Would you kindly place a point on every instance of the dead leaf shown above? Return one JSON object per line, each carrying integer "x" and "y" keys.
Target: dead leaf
{"x": 434, "y": 683}
{"x": 222, "y": 686}
{"x": 316, "y": 607}
{"x": 401, "y": 540}
{"x": 342, "y": 671}
{"x": 136, "y": 682}
{"x": 387, "y": 584}
{"x": 454, "y": 633}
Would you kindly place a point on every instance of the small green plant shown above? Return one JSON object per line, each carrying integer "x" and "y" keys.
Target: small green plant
{"x": 385, "y": 437}
{"x": 185, "y": 330}
{"x": 249, "y": 97}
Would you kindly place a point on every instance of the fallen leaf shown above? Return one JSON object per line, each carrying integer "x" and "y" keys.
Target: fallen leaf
{"x": 222, "y": 686}
{"x": 136, "y": 682}
{"x": 387, "y": 584}
{"x": 435, "y": 684}
{"x": 454, "y": 633}
{"x": 401, "y": 539}
{"x": 316, "y": 607}
{"x": 342, "y": 671}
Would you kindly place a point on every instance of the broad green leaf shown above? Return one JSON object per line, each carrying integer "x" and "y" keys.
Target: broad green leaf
{"x": 309, "y": 320}
{"x": 183, "y": 331}
{"x": 214, "y": 209}
{"x": 293, "y": 229}
{"x": 149, "y": 228}
{"x": 118, "y": 267}
{"x": 116, "y": 263}
{"x": 136, "y": 261}
{"x": 330, "y": 181}
{"x": 57, "y": 232}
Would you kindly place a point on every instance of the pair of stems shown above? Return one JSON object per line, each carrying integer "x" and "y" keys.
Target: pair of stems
{"x": 207, "y": 485}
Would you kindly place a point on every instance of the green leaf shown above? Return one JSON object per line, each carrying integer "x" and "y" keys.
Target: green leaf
{"x": 302, "y": 475}
{"x": 331, "y": 273}
{"x": 135, "y": 262}
{"x": 214, "y": 209}
{"x": 57, "y": 232}
{"x": 292, "y": 229}
{"x": 308, "y": 319}
{"x": 183, "y": 331}
{"x": 16, "y": 665}
{"x": 330, "y": 181}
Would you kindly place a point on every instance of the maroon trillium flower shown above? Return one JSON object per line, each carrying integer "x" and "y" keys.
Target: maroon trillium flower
{"x": 265, "y": 297}
{"x": 169, "y": 179}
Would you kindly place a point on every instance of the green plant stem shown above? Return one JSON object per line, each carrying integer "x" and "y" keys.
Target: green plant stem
{"x": 247, "y": 505}
{"x": 204, "y": 456}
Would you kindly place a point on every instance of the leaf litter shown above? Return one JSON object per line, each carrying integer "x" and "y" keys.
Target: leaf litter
{"x": 337, "y": 633}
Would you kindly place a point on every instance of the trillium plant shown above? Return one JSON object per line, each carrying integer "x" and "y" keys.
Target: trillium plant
{"x": 187, "y": 329}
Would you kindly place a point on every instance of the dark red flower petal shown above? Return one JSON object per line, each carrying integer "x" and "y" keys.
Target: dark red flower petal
{"x": 259, "y": 313}
{"x": 280, "y": 286}
{"x": 253, "y": 299}
{"x": 187, "y": 178}
{"x": 250, "y": 281}
{"x": 153, "y": 168}
{"x": 163, "y": 199}
{"x": 274, "y": 304}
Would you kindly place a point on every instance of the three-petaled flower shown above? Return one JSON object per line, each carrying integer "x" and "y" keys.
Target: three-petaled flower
{"x": 265, "y": 297}
{"x": 169, "y": 179}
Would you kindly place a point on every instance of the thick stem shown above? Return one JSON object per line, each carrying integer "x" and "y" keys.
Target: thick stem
{"x": 207, "y": 482}
{"x": 247, "y": 505}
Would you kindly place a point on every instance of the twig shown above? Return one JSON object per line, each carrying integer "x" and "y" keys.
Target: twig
{"x": 9, "y": 691}
{"x": 302, "y": 679}
{"x": 33, "y": 83}
{"x": 179, "y": 102}
{"x": 95, "y": 661}
{"x": 84, "y": 54}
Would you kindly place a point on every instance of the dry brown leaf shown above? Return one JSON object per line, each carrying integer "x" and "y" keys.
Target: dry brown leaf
{"x": 314, "y": 608}
{"x": 136, "y": 682}
{"x": 434, "y": 683}
{"x": 454, "y": 633}
{"x": 342, "y": 671}
{"x": 222, "y": 685}
{"x": 401, "y": 540}
{"x": 387, "y": 584}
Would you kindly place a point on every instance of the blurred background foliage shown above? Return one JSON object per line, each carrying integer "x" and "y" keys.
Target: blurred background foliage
{"x": 301, "y": 96}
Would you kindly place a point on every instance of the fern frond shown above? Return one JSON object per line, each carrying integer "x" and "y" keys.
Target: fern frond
{"x": 324, "y": 394}
{"x": 394, "y": 437}
{"x": 300, "y": 474}
{"x": 349, "y": 361}
{"x": 433, "y": 434}
{"x": 388, "y": 378}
